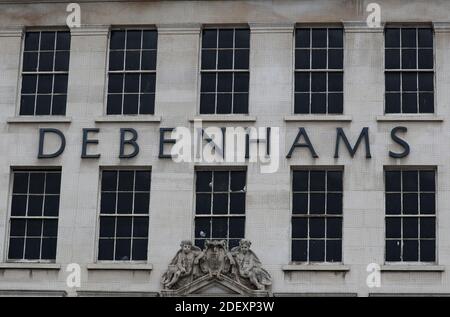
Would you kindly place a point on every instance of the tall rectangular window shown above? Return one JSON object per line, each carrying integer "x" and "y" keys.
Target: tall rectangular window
{"x": 409, "y": 70}
{"x": 317, "y": 216}
{"x": 34, "y": 215}
{"x": 220, "y": 206}
{"x": 319, "y": 55}
{"x": 124, "y": 215}
{"x": 225, "y": 71}
{"x": 45, "y": 71}
{"x": 410, "y": 215}
{"x": 132, "y": 72}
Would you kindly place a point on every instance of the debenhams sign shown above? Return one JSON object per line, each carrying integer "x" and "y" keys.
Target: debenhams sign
{"x": 219, "y": 144}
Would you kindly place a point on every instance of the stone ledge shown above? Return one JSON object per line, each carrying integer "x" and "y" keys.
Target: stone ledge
{"x": 125, "y": 119}
{"x": 179, "y": 29}
{"x": 29, "y": 266}
{"x": 272, "y": 27}
{"x": 13, "y": 31}
{"x": 361, "y": 27}
{"x": 32, "y": 293}
{"x": 90, "y": 30}
{"x": 412, "y": 268}
{"x": 39, "y": 119}
{"x": 119, "y": 267}
{"x": 410, "y": 118}
{"x": 316, "y": 268}
{"x": 99, "y": 293}
{"x": 318, "y": 118}
{"x": 223, "y": 118}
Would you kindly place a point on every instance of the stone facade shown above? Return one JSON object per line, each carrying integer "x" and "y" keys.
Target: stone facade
{"x": 268, "y": 209}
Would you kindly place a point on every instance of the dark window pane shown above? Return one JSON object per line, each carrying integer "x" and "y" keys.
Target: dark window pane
{"x": 208, "y": 82}
{"x": 203, "y": 204}
{"x": 334, "y": 181}
{"x": 32, "y": 248}
{"x": 209, "y": 59}
{"x": 334, "y": 228}
{"x": 409, "y": 81}
{"x": 115, "y": 84}
{"x": 425, "y": 37}
{"x": 30, "y": 62}
{"x": 45, "y": 84}
{"x": 204, "y": 181}
{"x": 393, "y": 204}
{"x": 334, "y": 203}
{"x": 132, "y": 60}
{"x": 299, "y": 228}
{"x": 126, "y": 180}
{"x": 425, "y": 59}
{"x": 317, "y": 203}
{"x": 300, "y": 181}
{"x": 392, "y": 58}
{"x": 426, "y": 81}
{"x": 392, "y": 82}
{"x": 147, "y": 102}
{"x": 34, "y": 228}
{"x": 225, "y": 59}
{"x": 242, "y": 38}
{"x": 302, "y": 38}
{"x": 59, "y": 105}
{"x": 50, "y": 228}
{"x": 316, "y": 227}
{"x": 142, "y": 181}
{"x": 319, "y": 38}
{"x": 393, "y": 228}
{"x": 426, "y": 103}
{"x": 335, "y": 59}
{"x": 334, "y": 251}
{"x": 60, "y": 84}
{"x": 318, "y": 82}
{"x": 410, "y": 204}
{"x": 37, "y": 183}
{"x": 139, "y": 249}
{"x": 32, "y": 41}
{"x": 125, "y": 203}
{"x": 134, "y": 39}
{"x": 109, "y": 180}
{"x": 116, "y": 60}
{"x": 393, "y": 103}
{"x": 221, "y": 181}
{"x": 63, "y": 41}
{"x": 241, "y": 82}
{"x": 48, "y": 249}
{"x": 219, "y": 228}
{"x": 410, "y": 180}
{"x": 240, "y": 103}
{"x": 226, "y": 38}
{"x": 106, "y": 249}
{"x": 301, "y": 103}
{"x": 131, "y": 83}
{"x": 237, "y": 203}
{"x": 409, "y": 58}
{"x": 114, "y": 104}
{"x": 20, "y": 183}
{"x": 47, "y": 41}
{"x": 62, "y": 61}
{"x": 335, "y": 38}
{"x": 29, "y": 84}
{"x": 27, "y": 105}
{"x": 299, "y": 250}
{"x": 141, "y": 203}
{"x": 107, "y": 227}
{"x": 316, "y": 250}
{"x": 427, "y": 204}
{"x": 392, "y": 37}
{"x": 130, "y": 103}
{"x": 148, "y": 60}
{"x": 302, "y": 59}
{"x": 18, "y": 205}
{"x": 220, "y": 204}
{"x": 319, "y": 59}
{"x": 318, "y": 103}
{"x": 123, "y": 249}
{"x": 300, "y": 203}
{"x": 427, "y": 181}
{"x": 409, "y": 38}
{"x": 209, "y": 39}
{"x": 302, "y": 82}
{"x": 317, "y": 180}
{"x": 428, "y": 227}
{"x": 117, "y": 40}
{"x": 124, "y": 225}
{"x": 410, "y": 250}
{"x": 238, "y": 180}
{"x": 17, "y": 227}
{"x": 427, "y": 250}
{"x": 225, "y": 82}
{"x": 16, "y": 247}
{"x": 51, "y": 205}
{"x": 335, "y": 82}
{"x": 202, "y": 227}
{"x": 237, "y": 227}
{"x": 410, "y": 228}
{"x": 46, "y": 60}
{"x": 224, "y": 102}
{"x": 35, "y": 205}
{"x": 43, "y": 104}
{"x": 409, "y": 103}
{"x": 150, "y": 39}
{"x": 393, "y": 250}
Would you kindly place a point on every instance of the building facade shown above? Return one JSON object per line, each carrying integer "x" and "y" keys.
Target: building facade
{"x": 358, "y": 114}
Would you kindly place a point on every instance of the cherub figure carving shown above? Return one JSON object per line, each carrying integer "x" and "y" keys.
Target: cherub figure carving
{"x": 215, "y": 259}
{"x": 182, "y": 266}
{"x": 248, "y": 266}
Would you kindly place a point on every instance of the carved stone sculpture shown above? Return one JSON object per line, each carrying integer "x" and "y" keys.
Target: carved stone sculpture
{"x": 240, "y": 269}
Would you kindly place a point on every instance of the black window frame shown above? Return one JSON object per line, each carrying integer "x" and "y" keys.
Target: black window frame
{"x": 298, "y": 234}
{"x": 394, "y": 98}
{"x": 56, "y": 94}
{"x": 335, "y": 95}
{"x": 409, "y": 217}
{"x": 147, "y": 94}
{"x": 116, "y": 215}
{"x": 45, "y": 220}
{"x": 236, "y": 93}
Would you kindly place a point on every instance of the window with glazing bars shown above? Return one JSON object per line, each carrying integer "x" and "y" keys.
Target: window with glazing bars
{"x": 132, "y": 72}
{"x": 45, "y": 71}
{"x": 220, "y": 206}
{"x": 317, "y": 216}
{"x": 225, "y": 71}
{"x": 319, "y": 71}
{"x": 124, "y": 215}
{"x": 410, "y": 215}
{"x": 34, "y": 215}
{"x": 409, "y": 70}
